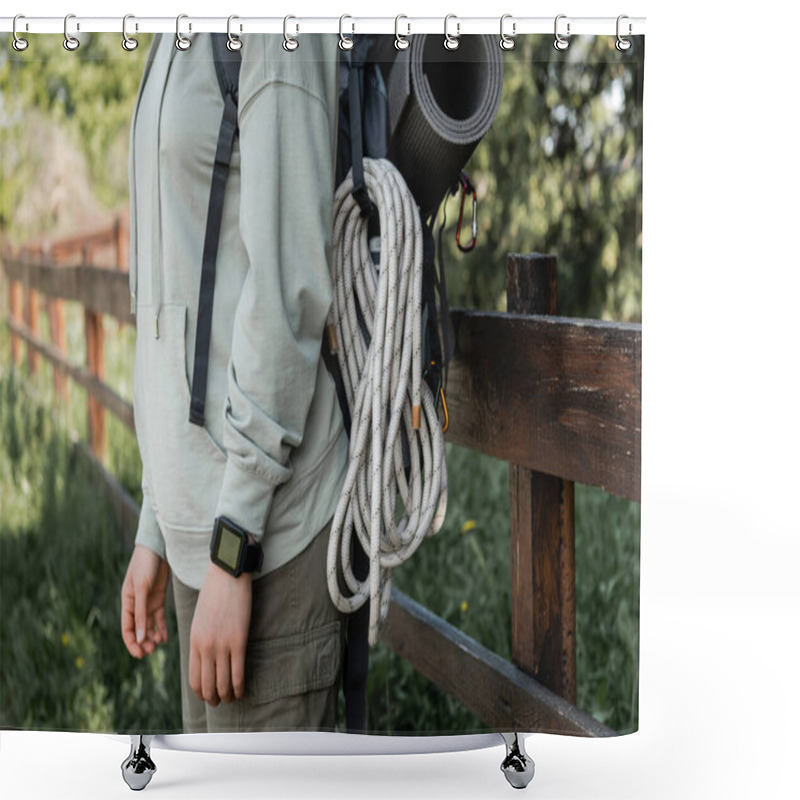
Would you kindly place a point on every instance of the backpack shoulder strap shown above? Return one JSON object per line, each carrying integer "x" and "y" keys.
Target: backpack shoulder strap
{"x": 227, "y": 64}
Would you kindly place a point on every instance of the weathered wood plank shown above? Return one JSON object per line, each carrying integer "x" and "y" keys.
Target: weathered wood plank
{"x": 558, "y": 395}
{"x": 555, "y": 394}
{"x": 32, "y": 321}
{"x": 84, "y": 244}
{"x": 121, "y": 244}
{"x": 104, "y": 291}
{"x": 543, "y": 579}
{"x": 542, "y": 519}
{"x": 531, "y": 284}
{"x": 96, "y": 364}
{"x": 15, "y": 312}
{"x": 102, "y": 393}
{"x": 58, "y": 338}
{"x": 502, "y": 695}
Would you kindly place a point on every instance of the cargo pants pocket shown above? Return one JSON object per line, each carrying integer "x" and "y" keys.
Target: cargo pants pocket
{"x": 291, "y": 682}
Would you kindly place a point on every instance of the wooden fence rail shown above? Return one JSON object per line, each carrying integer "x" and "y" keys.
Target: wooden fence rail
{"x": 558, "y": 398}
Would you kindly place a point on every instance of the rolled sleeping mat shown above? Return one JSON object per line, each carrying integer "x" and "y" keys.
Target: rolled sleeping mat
{"x": 441, "y": 104}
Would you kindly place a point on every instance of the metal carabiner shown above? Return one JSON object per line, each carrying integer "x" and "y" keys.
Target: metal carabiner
{"x": 467, "y": 188}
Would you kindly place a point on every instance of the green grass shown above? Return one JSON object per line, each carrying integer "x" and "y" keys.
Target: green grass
{"x": 463, "y": 574}
{"x": 62, "y": 661}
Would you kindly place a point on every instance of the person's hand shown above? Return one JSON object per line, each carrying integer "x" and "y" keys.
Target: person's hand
{"x": 144, "y": 594}
{"x": 219, "y": 636}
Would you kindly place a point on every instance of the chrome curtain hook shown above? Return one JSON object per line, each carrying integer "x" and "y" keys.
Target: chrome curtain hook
{"x": 234, "y": 43}
{"x": 451, "y": 42}
{"x": 19, "y": 44}
{"x": 70, "y": 42}
{"x": 561, "y": 43}
{"x": 290, "y": 44}
{"x": 181, "y": 42}
{"x": 345, "y": 42}
{"x": 623, "y": 44}
{"x": 128, "y": 43}
{"x": 507, "y": 42}
{"x": 400, "y": 42}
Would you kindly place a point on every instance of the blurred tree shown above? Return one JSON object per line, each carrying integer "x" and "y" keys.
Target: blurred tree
{"x": 89, "y": 94}
{"x": 560, "y": 172}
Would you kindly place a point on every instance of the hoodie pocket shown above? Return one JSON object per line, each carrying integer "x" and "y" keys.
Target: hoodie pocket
{"x": 184, "y": 464}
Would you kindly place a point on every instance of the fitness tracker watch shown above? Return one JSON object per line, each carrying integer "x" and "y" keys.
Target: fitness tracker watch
{"x": 234, "y": 549}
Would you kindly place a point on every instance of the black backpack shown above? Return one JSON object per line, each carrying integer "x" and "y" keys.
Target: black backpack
{"x": 363, "y": 133}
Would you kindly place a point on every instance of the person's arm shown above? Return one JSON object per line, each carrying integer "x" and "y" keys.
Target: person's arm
{"x": 287, "y": 150}
{"x": 144, "y": 590}
{"x": 285, "y": 220}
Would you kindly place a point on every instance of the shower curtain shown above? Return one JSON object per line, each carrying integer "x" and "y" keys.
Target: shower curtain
{"x": 517, "y": 606}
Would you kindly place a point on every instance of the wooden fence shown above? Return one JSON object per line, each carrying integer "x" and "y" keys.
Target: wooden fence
{"x": 558, "y": 398}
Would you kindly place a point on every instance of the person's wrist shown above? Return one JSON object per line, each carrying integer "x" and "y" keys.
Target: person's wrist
{"x": 242, "y": 576}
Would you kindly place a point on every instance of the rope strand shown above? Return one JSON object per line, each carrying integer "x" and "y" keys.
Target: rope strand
{"x": 385, "y": 367}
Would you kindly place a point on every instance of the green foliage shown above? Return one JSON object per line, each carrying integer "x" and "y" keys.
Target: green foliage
{"x": 463, "y": 574}
{"x": 63, "y": 665}
{"x": 89, "y": 94}
{"x": 560, "y": 172}
{"x": 607, "y": 599}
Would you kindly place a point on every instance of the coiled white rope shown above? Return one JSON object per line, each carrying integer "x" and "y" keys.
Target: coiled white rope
{"x": 385, "y": 393}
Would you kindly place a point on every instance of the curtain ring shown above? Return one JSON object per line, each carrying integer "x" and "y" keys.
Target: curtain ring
{"x": 234, "y": 43}
{"x": 560, "y": 42}
{"x": 507, "y": 42}
{"x": 451, "y": 42}
{"x": 623, "y": 44}
{"x": 70, "y": 42}
{"x": 400, "y": 42}
{"x": 345, "y": 42}
{"x": 128, "y": 43}
{"x": 19, "y": 44}
{"x": 289, "y": 44}
{"x": 181, "y": 42}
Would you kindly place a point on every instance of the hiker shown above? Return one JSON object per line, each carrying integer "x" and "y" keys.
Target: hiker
{"x": 262, "y": 473}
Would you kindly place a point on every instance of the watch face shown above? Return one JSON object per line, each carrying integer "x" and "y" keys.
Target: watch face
{"x": 228, "y": 544}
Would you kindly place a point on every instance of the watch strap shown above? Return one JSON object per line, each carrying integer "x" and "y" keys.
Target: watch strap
{"x": 253, "y": 557}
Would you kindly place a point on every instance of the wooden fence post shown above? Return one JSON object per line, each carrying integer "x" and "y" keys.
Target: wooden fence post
{"x": 55, "y": 312}
{"x": 96, "y": 363}
{"x": 542, "y": 526}
{"x": 32, "y": 321}
{"x": 93, "y": 326}
{"x": 120, "y": 244}
{"x": 15, "y": 312}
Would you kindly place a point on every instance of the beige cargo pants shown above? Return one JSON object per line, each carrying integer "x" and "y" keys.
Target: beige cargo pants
{"x": 294, "y": 652}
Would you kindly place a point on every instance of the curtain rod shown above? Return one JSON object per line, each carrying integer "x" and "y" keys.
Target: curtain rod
{"x": 407, "y": 25}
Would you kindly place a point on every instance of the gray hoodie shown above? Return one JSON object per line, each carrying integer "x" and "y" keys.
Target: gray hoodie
{"x": 273, "y": 453}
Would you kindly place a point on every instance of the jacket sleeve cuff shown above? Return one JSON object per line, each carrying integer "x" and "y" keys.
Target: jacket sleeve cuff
{"x": 148, "y": 533}
{"x": 245, "y": 498}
